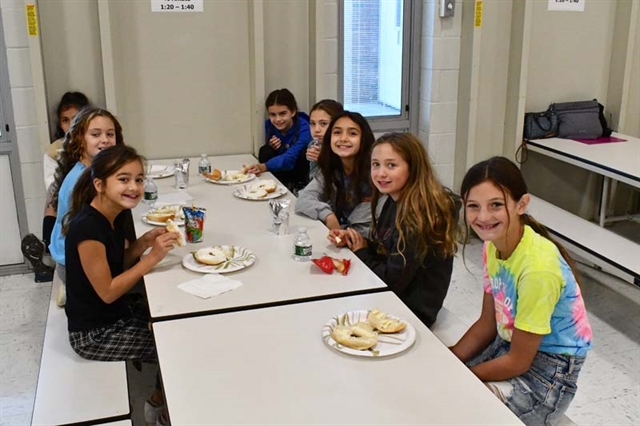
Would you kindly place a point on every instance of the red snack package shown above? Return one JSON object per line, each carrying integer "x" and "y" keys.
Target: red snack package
{"x": 342, "y": 265}
{"x": 325, "y": 263}
{"x": 328, "y": 264}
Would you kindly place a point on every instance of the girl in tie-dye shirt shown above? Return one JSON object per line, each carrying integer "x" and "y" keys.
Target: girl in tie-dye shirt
{"x": 533, "y": 335}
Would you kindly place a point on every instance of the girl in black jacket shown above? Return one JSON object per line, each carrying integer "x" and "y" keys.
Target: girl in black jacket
{"x": 413, "y": 242}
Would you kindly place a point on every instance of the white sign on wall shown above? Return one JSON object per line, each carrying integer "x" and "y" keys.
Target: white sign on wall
{"x": 177, "y": 5}
{"x": 566, "y": 5}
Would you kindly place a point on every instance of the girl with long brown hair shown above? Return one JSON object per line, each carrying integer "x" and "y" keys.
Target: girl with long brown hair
{"x": 533, "y": 335}
{"x": 340, "y": 193}
{"x": 413, "y": 241}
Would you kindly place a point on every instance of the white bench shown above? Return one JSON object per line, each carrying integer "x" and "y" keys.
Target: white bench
{"x": 610, "y": 251}
{"x": 72, "y": 389}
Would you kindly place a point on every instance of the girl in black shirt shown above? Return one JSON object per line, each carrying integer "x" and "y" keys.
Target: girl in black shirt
{"x": 105, "y": 323}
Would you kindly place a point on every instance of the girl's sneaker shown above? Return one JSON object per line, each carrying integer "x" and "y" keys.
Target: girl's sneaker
{"x": 163, "y": 420}
{"x": 33, "y": 249}
{"x": 152, "y": 412}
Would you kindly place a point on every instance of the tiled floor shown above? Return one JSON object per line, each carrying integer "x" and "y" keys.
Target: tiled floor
{"x": 609, "y": 386}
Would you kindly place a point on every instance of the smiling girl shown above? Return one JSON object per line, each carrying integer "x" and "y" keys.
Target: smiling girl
{"x": 92, "y": 130}
{"x": 287, "y": 137}
{"x": 340, "y": 193}
{"x": 414, "y": 239}
{"x": 532, "y": 337}
{"x": 105, "y": 323}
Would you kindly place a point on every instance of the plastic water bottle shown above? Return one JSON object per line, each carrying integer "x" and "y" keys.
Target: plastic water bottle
{"x": 302, "y": 246}
{"x": 150, "y": 192}
{"x": 315, "y": 143}
{"x": 204, "y": 166}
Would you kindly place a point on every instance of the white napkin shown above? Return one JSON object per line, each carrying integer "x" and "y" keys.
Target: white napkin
{"x": 209, "y": 285}
{"x": 181, "y": 197}
{"x": 155, "y": 168}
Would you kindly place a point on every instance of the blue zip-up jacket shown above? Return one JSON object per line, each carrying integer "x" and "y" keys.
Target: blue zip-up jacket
{"x": 293, "y": 143}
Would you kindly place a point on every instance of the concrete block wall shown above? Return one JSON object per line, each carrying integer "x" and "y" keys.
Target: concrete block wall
{"x": 439, "y": 71}
{"x": 23, "y": 94}
{"x": 326, "y": 50}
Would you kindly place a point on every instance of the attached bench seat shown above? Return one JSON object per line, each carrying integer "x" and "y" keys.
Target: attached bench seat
{"x": 597, "y": 244}
{"x": 72, "y": 389}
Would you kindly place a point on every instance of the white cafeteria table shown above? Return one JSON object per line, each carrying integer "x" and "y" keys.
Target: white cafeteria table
{"x": 275, "y": 278}
{"x": 271, "y": 366}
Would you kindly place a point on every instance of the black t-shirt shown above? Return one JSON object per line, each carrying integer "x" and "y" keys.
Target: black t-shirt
{"x": 85, "y": 309}
{"x": 422, "y": 286}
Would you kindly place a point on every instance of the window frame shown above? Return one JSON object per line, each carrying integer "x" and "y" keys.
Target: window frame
{"x": 408, "y": 118}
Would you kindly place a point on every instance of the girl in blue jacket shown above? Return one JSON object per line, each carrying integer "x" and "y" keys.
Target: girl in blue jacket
{"x": 287, "y": 136}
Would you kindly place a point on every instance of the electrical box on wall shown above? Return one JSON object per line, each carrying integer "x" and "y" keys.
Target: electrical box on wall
{"x": 447, "y": 8}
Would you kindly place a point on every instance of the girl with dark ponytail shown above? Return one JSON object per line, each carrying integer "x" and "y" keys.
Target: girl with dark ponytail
{"x": 105, "y": 322}
{"x": 533, "y": 335}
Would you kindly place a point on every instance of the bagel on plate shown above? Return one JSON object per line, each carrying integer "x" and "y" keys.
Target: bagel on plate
{"x": 268, "y": 185}
{"x": 214, "y": 175}
{"x": 256, "y": 192}
{"x": 211, "y": 256}
{"x": 359, "y": 336}
{"x": 163, "y": 217}
{"x": 383, "y": 323}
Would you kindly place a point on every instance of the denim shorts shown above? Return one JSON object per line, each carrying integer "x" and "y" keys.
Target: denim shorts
{"x": 542, "y": 394}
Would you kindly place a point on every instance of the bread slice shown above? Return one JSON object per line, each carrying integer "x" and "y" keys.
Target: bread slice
{"x": 172, "y": 227}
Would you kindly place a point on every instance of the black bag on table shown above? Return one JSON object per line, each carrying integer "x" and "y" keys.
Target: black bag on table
{"x": 539, "y": 125}
{"x": 581, "y": 120}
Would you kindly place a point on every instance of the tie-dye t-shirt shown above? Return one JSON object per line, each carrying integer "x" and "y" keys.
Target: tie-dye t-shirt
{"x": 534, "y": 290}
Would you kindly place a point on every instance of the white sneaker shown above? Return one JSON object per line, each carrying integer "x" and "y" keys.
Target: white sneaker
{"x": 152, "y": 412}
{"x": 61, "y": 299}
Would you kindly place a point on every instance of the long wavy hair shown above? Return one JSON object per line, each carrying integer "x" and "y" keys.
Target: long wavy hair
{"x": 74, "y": 145}
{"x": 427, "y": 211}
{"x": 106, "y": 163}
{"x": 331, "y": 167}
{"x": 507, "y": 177}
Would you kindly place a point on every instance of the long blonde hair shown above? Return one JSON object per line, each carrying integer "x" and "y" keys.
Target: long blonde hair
{"x": 427, "y": 212}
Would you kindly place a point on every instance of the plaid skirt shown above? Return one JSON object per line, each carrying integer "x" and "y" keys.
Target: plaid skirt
{"x": 128, "y": 339}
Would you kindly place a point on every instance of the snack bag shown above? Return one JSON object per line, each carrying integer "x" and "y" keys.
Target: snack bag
{"x": 328, "y": 264}
{"x": 194, "y": 223}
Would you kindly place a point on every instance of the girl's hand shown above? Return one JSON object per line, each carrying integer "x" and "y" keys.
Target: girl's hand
{"x": 275, "y": 142}
{"x": 355, "y": 241}
{"x": 256, "y": 169}
{"x": 312, "y": 153}
{"x": 149, "y": 237}
{"x": 163, "y": 244}
{"x": 338, "y": 237}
